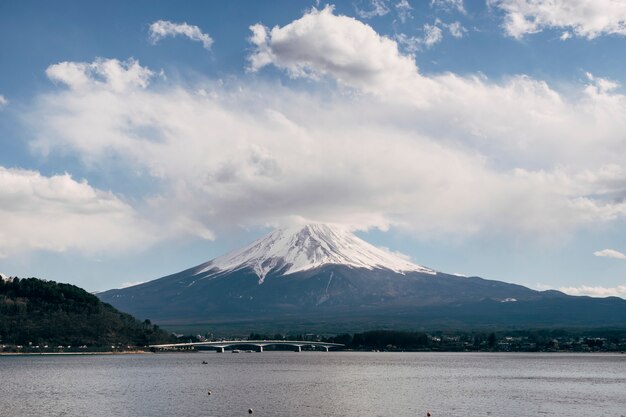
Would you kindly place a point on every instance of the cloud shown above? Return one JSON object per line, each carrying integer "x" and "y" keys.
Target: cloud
{"x": 163, "y": 29}
{"x": 435, "y": 155}
{"x": 448, "y": 5}
{"x": 432, "y": 35}
{"x": 403, "y": 8}
{"x": 322, "y": 43}
{"x": 378, "y": 8}
{"x": 58, "y": 214}
{"x": 456, "y": 29}
{"x": 584, "y": 18}
{"x": 618, "y": 291}
{"x": 108, "y": 74}
{"x": 3, "y": 101}
{"x": 610, "y": 253}
{"x": 412, "y": 44}
{"x": 565, "y": 36}
{"x": 396, "y": 253}
{"x": 601, "y": 85}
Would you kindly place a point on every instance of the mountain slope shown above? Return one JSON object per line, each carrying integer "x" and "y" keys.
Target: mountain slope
{"x": 318, "y": 272}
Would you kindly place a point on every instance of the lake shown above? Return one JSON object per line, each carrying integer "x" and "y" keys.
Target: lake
{"x": 314, "y": 384}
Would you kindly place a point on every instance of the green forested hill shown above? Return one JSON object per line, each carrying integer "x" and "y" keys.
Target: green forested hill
{"x": 45, "y": 312}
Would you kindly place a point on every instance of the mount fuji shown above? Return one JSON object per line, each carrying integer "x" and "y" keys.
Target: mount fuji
{"x": 287, "y": 251}
{"x": 323, "y": 277}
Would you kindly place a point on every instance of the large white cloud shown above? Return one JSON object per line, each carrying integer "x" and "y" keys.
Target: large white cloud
{"x": 584, "y": 18}
{"x": 437, "y": 155}
{"x": 58, "y": 213}
{"x": 519, "y": 118}
{"x": 322, "y": 43}
{"x": 164, "y": 28}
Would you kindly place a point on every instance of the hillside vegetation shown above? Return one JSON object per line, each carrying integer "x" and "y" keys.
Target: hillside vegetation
{"x": 39, "y": 312}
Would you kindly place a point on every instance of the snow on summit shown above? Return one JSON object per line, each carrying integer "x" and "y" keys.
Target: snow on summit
{"x": 307, "y": 247}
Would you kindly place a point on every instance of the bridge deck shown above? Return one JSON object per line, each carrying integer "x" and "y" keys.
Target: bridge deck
{"x": 220, "y": 345}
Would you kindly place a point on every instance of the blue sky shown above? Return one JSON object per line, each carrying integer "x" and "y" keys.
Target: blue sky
{"x": 478, "y": 137}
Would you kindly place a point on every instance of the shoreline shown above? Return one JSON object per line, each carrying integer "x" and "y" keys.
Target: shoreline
{"x": 344, "y": 351}
{"x": 139, "y": 352}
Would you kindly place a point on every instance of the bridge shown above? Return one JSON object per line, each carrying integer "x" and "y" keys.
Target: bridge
{"x": 258, "y": 344}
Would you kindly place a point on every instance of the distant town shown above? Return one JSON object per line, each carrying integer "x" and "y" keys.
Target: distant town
{"x": 500, "y": 341}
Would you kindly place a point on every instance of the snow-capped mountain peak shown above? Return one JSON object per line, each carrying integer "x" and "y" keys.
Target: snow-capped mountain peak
{"x": 297, "y": 249}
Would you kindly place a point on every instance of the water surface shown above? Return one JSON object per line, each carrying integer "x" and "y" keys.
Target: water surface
{"x": 314, "y": 384}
